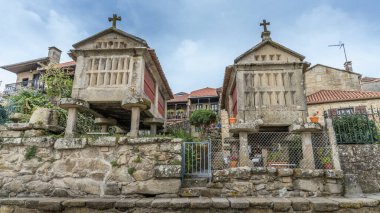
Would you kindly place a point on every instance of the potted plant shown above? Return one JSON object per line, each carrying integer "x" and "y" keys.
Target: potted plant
{"x": 233, "y": 161}
{"x": 232, "y": 120}
{"x": 314, "y": 118}
{"x": 327, "y": 162}
{"x": 276, "y": 159}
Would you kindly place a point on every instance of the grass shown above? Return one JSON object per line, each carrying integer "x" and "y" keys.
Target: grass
{"x": 131, "y": 170}
{"x": 114, "y": 163}
{"x": 137, "y": 160}
{"x": 30, "y": 152}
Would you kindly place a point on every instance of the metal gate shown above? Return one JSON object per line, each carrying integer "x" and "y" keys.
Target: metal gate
{"x": 196, "y": 159}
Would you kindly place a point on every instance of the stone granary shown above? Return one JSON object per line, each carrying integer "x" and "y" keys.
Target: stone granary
{"x": 265, "y": 86}
{"x": 118, "y": 78}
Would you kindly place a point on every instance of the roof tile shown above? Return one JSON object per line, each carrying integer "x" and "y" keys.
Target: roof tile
{"x": 328, "y": 96}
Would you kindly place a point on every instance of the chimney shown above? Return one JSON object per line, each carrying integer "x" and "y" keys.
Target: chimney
{"x": 54, "y": 55}
{"x": 348, "y": 66}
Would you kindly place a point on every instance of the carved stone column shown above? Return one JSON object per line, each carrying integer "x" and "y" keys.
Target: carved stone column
{"x": 307, "y": 151}
{"x": 333, "y": 144}
{"x": 72, "y": 117}
{"x": 135, "y": 121}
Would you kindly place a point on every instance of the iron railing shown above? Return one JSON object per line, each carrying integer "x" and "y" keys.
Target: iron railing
{"x": 355, "y": 126}
{"x": 196, "y": 159}
{"x": 32, "y": 84}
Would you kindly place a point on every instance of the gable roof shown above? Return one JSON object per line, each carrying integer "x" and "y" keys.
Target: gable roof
{"x": 342, "y": 70}
{"x": 369, "y": 80}
{"x": 179, "y": 98}
{"x": 107, "y": 31}
{"x": 331, "y": 96}
{"x": 274, "y": 44}
{"x": 205, "y": 92}
{"x": 160, "y": 71}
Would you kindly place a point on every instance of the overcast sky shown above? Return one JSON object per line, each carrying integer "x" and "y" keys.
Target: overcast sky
{"x": 195, "y": 40}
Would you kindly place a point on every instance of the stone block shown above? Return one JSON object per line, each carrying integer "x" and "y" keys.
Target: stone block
{"x": 239, "y": 203}
{"x": 281, "y": 204}
{"x": 300, "y": 204}
{"x": 200, "y": 203}
{"x": 240, "y": 173}
{"x": 334, "y": 188}
{"x": 12, "y": 141}
{"x": 179, "y": 203}
{"x": 126, "y": 203}
{"x": 53, "y": 205}
{"x": 220, "y": 203}
{"x": 259, "y": 170}
{"x": 34, "y": 133}
{"x": 368, "y": 202}
{"x": 336, "y": 174}
{"x": 153, "y": 187}
{"x": 284, "y": 172}
{"x": 77, "y": 202}
{"x": 70, "y": 143}
{"x": 6, "y": 209}
{"x": 11, "y": 134}
{"x": 19, "y": 126}
{"x": 100, "y": 204}
{"x": 262, "y": 203}
{"x": 43, "y": 142}
{"x": 346, "y": 203}
{"x": 44, "y": 116}
{"x": 167, "y": 171}
{"x": 323, "y": 204}
{"x": 144, "y": 202}
{"x": 309, "y": 185}
{"x": 112, "y": 189}
{"x": 161, "y": 203}
{"x": 102, "y": 141}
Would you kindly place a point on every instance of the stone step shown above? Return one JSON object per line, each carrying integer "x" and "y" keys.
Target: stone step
{"x": 194, "y": 182}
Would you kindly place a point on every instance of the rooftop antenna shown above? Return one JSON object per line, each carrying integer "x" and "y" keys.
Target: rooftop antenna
{"x": 340, "y": 45}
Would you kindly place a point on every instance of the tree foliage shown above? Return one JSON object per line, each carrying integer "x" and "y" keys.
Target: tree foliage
{"x": 202, "y": 119}
{"x": 27, "y": 100}
{"x": 355, "y": 129}
{"x": 58, "y": 84}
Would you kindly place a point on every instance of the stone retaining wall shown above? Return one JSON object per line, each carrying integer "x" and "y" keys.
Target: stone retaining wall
{"x": 272, "y": 182}
{"x": 200, "y": 205}
{"x": 89, "y": 167}
{"x": 363, "y": 161}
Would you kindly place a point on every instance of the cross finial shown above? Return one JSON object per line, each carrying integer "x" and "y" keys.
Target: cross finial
{"x": 264, "y": 24}
{"x": 114, "y": 19}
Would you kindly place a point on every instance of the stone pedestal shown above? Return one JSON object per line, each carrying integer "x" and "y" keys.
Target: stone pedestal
{"x": 105, "y": 123}
{"x": 153, "y": 129}
{"x": 243, "y": 150}
{"x": 135, "y": 121}
{"x": 333, "y": 144}
{"x": 153, "y": 123}
{"x": 307, "y": 151}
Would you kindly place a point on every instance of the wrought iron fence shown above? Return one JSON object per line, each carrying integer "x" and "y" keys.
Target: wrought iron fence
{"x": 196, "y": 159}
{"x": 274, "y": 149}
{"x": 355, "y": 126}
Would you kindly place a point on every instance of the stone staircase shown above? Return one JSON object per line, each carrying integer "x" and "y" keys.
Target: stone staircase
{"x": 194, "y": 187}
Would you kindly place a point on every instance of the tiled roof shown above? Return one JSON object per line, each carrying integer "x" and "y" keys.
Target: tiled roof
{"x": 329, "y": 96}
{"x": 67, "y": 64}
{"x": 179, "y": 98}
{"x": 369, "y": 79}
{"x": 205, "y": 92}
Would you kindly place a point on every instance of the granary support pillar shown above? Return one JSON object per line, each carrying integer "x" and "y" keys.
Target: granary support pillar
{"x": 307, "y": 151}
{"x": 105, "y": 123}
{"x": 153, "y": 129}
{"x": 333, "y": 144}
{"x": 72, "y": 117}
{"x": 243, "y": 150}
{"x": 135, "y": 121}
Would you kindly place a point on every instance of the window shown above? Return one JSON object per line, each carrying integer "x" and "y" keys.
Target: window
{"x": 198, "y": 106}
{"x": 25, "y": 82}
{"x": 345, "y": 111}
{"x": 214, "y": 107}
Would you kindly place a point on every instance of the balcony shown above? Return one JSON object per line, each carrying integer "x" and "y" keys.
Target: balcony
{"x": 13, "y": 88}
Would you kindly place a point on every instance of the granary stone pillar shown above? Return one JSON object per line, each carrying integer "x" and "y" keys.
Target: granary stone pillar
{"x": 307, "y": 151}
{"x": 333, "y": 144}
{"x": 243, "y": 150}
{"x": 72, "y": 106}
{"x": 135, "y": 121}
{"x": 72, "y": 117}
{"x": 153, "y": 123}
{"x": 153, "y": 129}
{"x": 105, "y": 123}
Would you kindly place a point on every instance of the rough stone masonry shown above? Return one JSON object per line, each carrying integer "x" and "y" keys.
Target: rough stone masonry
{"x": 89, "y": 167}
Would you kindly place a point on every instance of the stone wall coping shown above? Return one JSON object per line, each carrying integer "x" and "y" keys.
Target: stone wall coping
{"x": 325, "y": 204}
{"x": 81, "y": 143}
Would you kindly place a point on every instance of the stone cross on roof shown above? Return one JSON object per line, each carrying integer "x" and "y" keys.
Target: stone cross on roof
{"x": 264, "y": 24}
{"x": 114, "y": 19}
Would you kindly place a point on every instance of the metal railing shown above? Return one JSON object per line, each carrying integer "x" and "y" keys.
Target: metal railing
{"x": 196, "y": 159}
{"x": 355, "y": 126}
{"x": 32, "y": 84}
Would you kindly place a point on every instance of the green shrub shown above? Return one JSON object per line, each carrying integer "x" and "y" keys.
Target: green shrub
{"x": 182, "y": 134}
{"x": 30, "y": 152}
{"x": 58, "y": 83}
{"x": 27, "y": 100}
{"x": 203, "y": 119}
{"x": 131, "y": 170}
{"x": 114, "y": 163}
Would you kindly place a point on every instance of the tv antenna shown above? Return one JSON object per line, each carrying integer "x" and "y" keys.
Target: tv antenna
{"x": 340, "y": 45}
